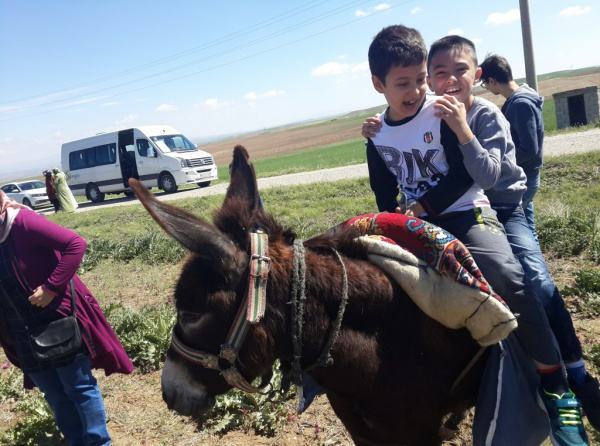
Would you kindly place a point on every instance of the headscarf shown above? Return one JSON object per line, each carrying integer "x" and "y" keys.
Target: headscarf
{"x": 9, "y": 209}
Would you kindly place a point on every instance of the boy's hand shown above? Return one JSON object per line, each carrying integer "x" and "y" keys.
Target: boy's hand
{"x": 454, "y": 113}
{"x": 415, "y": 209}
{"x": 41, "y": 297}
{"x": 371, "y": 126}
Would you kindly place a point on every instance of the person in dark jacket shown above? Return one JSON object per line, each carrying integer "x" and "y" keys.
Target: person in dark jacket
{"x": 523, "y": 110}
{"x": 50, "y": 190}
{"x": 38, "y": 259}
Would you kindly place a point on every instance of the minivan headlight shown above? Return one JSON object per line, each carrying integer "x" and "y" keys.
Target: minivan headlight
{"x": 183, "y": 162}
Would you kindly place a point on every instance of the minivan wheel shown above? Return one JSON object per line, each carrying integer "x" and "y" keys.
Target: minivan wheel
{"x": 167, "y": 183}
{"x": 204, "y": 184}
{"x": 93, "y": 193}
{"x": 27, "y": 203}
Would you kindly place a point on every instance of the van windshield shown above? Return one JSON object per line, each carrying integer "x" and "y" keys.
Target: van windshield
{"x": 173, "y": 143}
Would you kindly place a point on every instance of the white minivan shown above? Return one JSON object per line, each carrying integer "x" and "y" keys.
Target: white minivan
{"x": 158, "y": 156}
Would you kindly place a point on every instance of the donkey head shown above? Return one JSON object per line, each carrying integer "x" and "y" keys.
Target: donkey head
{"x": 212, "y": 286}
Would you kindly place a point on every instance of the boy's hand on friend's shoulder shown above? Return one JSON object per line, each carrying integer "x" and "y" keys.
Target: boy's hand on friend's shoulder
{"x": 454, "y": 113}
{"x": 371, "y": 126}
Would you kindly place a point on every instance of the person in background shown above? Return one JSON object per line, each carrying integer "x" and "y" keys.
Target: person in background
{"x": 38, "y": 259}
{"x": 65, "y": 196}
{"x": 523, "y": 110}
{"x": 50, "y": 190}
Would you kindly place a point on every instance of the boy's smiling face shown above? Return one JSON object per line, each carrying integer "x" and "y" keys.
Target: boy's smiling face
{"x": 454, "y": 73}
{"x": 404, "y": 89}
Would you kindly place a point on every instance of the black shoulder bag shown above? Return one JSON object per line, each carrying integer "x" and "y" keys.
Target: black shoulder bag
{"x": 58, "y": 339}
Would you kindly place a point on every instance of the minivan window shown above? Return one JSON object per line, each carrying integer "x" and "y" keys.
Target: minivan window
{"x": 173, "y": 143}
{"x": 93, "y": 156}
{"x": 143, "y": 145}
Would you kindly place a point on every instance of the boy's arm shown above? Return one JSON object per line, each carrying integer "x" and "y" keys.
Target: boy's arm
{"x": 482, "y": 156}
{"x": 383, "y": 182}
{"x": 456, "y": 182}
{"x": 523, "y": 123}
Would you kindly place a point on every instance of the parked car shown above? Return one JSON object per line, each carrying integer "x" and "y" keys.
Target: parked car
{"x": 31, "y": 193}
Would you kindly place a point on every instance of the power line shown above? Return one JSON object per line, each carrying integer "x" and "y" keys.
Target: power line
{"x": 206, "y": 58}
{"x": 224, "y": 64}
{"x": 212, "y": 43}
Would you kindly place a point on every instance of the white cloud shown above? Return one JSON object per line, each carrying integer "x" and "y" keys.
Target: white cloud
{"x": 477, "y": 40}
{"x": 361, "y": 67}
{"x": 377, "y": 8}
{"x": 212, "y": 104}
{"x": 503, "y": 18}
{"x": 382, "y": 6}
{"x": 166, "y": 108}
{"x": 575, "y": 10}
{"x": 253, "y": 96}
{"x": 111, "y": 104}
{"x": 330, "y": 69}
{"x": 416, "y": 10}
{"x": 125, "y": 120}
{"x": 455, "y": 32}
{"x": 273, "y": 93}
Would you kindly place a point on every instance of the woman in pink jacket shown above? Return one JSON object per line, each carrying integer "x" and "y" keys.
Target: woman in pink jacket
{"x": 38, "y": 258}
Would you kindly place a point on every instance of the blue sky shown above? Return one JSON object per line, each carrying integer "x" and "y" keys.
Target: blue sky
{"x": 70, "y": 69}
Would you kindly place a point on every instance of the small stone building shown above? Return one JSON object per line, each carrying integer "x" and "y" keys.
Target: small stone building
{"x": 577, "y": 107}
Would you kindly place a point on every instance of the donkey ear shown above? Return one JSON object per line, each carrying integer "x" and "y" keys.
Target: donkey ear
{"x": 243, "y": 179}
{"x": 191, "y": 232}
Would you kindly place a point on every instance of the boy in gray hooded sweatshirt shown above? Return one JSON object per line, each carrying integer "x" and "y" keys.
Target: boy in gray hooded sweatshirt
{"x": 523, "y": 110}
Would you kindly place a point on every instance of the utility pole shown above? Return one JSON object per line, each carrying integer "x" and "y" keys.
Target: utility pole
{"x": 528, "y": 45}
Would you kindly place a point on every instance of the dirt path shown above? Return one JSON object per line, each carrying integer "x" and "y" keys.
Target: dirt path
{"x": 568, "y": 143}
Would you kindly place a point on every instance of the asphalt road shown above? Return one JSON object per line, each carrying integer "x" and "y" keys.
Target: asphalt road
{"x": 567, "y": 143}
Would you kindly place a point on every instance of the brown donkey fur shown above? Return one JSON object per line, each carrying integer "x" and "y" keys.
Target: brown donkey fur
{"x": 393, "y": 366}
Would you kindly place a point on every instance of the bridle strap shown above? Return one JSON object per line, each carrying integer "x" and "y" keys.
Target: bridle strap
{"x": 250, "y": 311}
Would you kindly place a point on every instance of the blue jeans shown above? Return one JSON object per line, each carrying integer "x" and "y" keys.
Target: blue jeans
{"x": 533, "y": 184}
{"x": 538, "y": 280}
{"x": 75, "y": 399}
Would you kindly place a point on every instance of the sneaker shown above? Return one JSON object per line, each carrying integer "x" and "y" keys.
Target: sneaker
{"x": 588, "y": 395}
{"x": 564, "y": 413}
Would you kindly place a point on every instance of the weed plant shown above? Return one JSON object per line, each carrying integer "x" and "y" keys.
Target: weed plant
{"x": 587, "y": 291}
{"x": 145, "y": 334}
{"x": 36, "y": 425}
{"x": 151, "y": 247}
{"x": 261, "y": 413}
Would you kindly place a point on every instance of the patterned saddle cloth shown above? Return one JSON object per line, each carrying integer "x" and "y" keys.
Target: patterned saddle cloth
{"x": 437, "y": 271}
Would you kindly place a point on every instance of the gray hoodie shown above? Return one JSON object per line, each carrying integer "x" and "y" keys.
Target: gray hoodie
{"x": 489, "y": 158}
{"x": 523, "y": 109}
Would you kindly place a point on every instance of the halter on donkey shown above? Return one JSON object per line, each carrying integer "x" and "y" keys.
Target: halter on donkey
{"x": 392, "y": 368}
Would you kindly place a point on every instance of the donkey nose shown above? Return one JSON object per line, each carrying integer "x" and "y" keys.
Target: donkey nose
{"x": 181, "y": 394}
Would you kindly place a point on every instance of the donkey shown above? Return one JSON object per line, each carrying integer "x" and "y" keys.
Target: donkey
{"x": 392, "y": 373}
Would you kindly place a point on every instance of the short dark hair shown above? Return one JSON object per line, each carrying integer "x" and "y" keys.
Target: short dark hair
{"x": 497, "y": 68}
{"x": 395, "y": 45}
{"x": 450, "y": 43}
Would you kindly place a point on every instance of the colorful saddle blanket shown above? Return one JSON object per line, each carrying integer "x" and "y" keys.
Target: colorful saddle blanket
{"x": 437, "y": 271}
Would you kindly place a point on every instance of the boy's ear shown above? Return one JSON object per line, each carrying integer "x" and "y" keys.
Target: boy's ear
{"x": 478, "y": 74}
{"x": 377, "y": 84}
{"x": 429, "y": 83}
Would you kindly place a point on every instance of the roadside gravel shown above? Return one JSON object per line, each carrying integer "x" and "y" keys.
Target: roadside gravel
{"x": 567, "y": 143}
